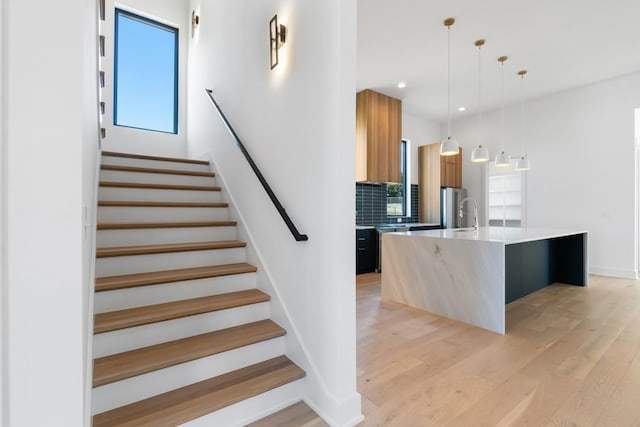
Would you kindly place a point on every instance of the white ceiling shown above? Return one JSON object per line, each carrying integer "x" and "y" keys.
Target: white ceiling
{"x": 562, "y": 43}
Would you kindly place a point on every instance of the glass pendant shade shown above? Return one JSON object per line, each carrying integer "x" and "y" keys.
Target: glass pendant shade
{"x": 480, "y": 154}
{"x": 523, "y": 164}
{"x": 449, "y": 147}
{"x": 503, "y": 159}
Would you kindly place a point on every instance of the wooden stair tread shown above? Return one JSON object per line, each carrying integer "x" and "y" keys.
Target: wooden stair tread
{"x": 121, "y": 168}
{"x": 121, "y": 319}
{"x": 125, "y": 203}
{"x": 187, "y": 403}
{"x": 159, "y": 158}
{"x": 158, "y": 277}
{"x": 117, "y": 184}
{"x": 117, "y": 367}
{"x": 166, "y": 248}
{"x": 139, "y": 225}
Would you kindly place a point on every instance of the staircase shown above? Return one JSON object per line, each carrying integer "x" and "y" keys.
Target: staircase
{"x": 182, "y": 336}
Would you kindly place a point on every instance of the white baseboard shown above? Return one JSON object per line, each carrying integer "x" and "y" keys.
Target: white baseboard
{"x": 622, "y": 274}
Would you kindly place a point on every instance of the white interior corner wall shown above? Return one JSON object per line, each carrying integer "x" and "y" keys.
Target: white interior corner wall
{"x": 131, "y": 140}
{"x": 44, "y": 129}
{"x": 581, "y": 145}
{"x": 90, "y": 169}
{"x": 419, "y": 131}
{"x": 297, "y": 121}
{"x": 4, "y": 395}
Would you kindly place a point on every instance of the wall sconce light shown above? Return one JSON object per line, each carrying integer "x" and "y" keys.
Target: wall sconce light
{"x": 277, "y": 36}
{"x": 195, "y": 21}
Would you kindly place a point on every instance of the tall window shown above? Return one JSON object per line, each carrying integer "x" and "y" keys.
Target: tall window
{"x": 145, "y": 74}
{"x": 397, "y": 192}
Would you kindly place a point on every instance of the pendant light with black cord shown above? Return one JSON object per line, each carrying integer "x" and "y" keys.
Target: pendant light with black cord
{"x": 449, "y": 146}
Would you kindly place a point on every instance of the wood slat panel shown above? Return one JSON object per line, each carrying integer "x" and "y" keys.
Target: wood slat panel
{"x": 113, "y": 184}
{"x": 157, "y": 277}
{"x": 145, "y": 157}
{"x": 120, "y": 168}
{"x": 120, "y": 319}
{"x": 120, "y": 366}
{"x": 141, "y": 225}
{"x": 187, "y": 403}
{"x": 166, "y": 248}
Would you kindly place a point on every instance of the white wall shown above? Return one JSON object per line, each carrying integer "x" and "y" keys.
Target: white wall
{"x": 297, "y": 121}
{"x": 47, "y": 102}
{"x": 4, "y": 395}
{"x": 581, "y": 145}
{"x": 419, "y": 131}
{"x": 171, "y": 12}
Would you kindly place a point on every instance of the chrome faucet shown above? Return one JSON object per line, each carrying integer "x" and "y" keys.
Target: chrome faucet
{"x": 475, "y": 211}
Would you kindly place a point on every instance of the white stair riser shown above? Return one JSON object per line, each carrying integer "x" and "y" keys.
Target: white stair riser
{"x": 160, "y": 214}
{"x": 122, "y": 161}
{"x": 152, "y": 236}
{"x": 115, "y": 266}
{"x": 253, "y": 409}
{"x": 166, "y": 292}
{"x": 143, "y": 386}
{"x": 155, "y": 333}
{"x": 155, "y": 195}
{"x": 155, "y": 178}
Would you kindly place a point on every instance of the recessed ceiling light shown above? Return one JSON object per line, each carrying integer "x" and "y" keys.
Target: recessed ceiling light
{"x": 461, "y": 109}
{"x": 402, "y": 85}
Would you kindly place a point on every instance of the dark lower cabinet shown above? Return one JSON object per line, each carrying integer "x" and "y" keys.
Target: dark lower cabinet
{"x": 530, "y": 266}
{"x": 366, "y": 251}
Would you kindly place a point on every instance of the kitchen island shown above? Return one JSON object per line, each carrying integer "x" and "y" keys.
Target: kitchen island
{"x": 469, "y": 275}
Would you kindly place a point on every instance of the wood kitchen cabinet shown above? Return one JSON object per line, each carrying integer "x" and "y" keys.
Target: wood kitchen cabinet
{"x": 378, "y": 137}
{"x": 451, "y": 170}
{"x": 436, "y": 171}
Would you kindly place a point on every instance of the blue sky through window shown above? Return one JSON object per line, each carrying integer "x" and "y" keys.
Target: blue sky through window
{"x": 146, "y": 74}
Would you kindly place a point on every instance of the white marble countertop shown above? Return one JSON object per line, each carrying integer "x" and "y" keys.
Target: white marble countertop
{"x": 365, "y": 227}
{"x": 506, "y": 235}
{"x": 400, "y": 224}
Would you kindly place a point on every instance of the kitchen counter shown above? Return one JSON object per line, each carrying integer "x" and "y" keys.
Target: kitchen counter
{"x": 506, "y": 235}
{"x": 469, "y": 275}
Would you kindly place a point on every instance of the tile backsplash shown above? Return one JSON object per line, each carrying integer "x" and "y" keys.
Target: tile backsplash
{"x": 371, "y": 204}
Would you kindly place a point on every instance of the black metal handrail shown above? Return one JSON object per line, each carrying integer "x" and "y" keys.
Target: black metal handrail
{"x": 283, "y": 213}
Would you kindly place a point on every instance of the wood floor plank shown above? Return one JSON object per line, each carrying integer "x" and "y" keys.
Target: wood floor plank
{"x": 296, "y": 415}
{"x": 118, "y": 184}
{"x": 159, "y": 158}
{"x": 120, "y": 366}
{"x": 167, "y": 248}
{"x": 111, "y": 283}
{"x": 146, "y": 225}
{"x": 120, "y": 168}
{"x": 185, "y": 404}
{"x": 120, "y": 319}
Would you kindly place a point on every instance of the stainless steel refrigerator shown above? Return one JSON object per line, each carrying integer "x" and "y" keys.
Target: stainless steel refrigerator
{"x": 450, "y": 199}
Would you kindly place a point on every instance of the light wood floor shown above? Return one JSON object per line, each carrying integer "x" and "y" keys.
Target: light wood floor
{"x": 570, "y": 357}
